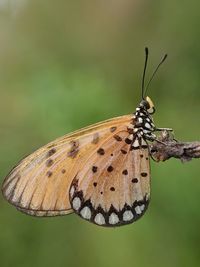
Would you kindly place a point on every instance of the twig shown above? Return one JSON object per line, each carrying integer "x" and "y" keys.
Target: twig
{"x": 167, "y": 147}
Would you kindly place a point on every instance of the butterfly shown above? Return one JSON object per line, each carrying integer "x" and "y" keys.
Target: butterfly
{"x": 101, "y": 172}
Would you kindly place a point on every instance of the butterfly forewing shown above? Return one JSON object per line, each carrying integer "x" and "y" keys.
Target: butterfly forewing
{"x": 113, "y": 188}
{"x": 39, "y": 185}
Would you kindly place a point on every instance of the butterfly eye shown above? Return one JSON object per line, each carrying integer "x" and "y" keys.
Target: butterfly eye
{"x": 145, "y": 104}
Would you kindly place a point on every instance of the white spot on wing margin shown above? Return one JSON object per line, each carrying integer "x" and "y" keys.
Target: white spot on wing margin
{"x": 76, "y": 203}
{"x": 99, "y": 219}
{"x": 113, "y": 218}
{"x": 86, "y": 213}
{"x": 127, "y": 215}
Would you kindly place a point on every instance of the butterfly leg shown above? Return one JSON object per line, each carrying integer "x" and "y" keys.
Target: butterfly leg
{"x": 164, "y": 129}
{"x": 167, "y": 133}
{"x": 150, "y": 151}
{"x": 153, "y": 138}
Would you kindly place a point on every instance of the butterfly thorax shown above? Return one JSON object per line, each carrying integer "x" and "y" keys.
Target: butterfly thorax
{"x": 141, "y": 128}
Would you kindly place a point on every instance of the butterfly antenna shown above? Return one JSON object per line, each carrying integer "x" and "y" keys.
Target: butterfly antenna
{"x": 144, "y": 71}
{"x": 155, "y": 71}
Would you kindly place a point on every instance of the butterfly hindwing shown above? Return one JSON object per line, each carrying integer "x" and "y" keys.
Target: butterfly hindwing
{"x": 113, "y": 188}
{"x": 39, "y": 185}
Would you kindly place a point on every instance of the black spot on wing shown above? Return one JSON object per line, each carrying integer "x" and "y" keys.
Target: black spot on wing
{"x": 110, "y": 168}
{"x": 74, "y": 149}
{"x": 49, "y": 162}
{"x": 144, "y": 174}
{"x": 117, "y": 138}
{"x": 128, "y": 141}
{"x": 123, "y": 151}
{"x": 51, "y": 152}
{"x": 101, "y": 151}
{"x": 125, "y": 172}
{"x": 49, "y": 174}
{"x": 94, "y": 168}
{"x": 113, "y": 129}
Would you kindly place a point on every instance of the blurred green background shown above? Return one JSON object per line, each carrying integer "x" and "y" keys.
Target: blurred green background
{"x": 68, "y": 64}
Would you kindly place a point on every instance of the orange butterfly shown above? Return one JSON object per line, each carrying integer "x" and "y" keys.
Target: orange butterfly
{"x": 101, "y": 172}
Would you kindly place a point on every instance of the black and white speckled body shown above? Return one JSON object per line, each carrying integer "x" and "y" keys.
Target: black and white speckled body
{"x": 142, "y": 128}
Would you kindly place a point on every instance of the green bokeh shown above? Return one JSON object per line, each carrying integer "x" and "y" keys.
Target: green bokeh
{"x": 65, "y": 65}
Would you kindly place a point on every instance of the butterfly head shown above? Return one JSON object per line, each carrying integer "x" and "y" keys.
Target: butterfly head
{"x": 147, "y": 104}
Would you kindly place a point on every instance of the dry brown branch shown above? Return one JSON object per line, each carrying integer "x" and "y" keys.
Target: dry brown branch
{"x": 169, "y": 147}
